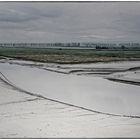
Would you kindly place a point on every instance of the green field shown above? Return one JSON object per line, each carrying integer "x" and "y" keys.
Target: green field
{"x": 57, "y": 55}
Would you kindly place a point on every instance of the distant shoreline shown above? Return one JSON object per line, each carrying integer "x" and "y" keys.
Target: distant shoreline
{"x": 71, "y": 56}
{"x": 63, "y": 62}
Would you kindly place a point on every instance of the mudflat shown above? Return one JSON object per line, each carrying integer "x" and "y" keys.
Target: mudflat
{"x": 65, "y": 101}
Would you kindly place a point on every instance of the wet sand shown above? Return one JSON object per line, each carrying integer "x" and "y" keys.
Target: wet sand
{"x": 26, "y": 114}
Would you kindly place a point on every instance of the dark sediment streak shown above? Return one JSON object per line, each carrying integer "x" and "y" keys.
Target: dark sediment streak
{"x": 124, "y": 81}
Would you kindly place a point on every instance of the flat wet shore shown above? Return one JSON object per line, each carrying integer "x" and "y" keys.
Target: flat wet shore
{"x": 57, "y": 112}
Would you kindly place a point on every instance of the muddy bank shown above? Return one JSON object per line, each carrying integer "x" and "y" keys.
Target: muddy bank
{"x": 49, "y": 81}
{"x": 26, "y": 116}
{"x": 5, "y": 80}
{"x": 47, "y": 96}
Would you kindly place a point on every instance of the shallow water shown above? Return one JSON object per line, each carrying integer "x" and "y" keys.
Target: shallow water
{"x": 93, "y": 93}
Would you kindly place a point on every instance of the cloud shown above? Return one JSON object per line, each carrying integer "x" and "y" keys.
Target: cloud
{"x": 64, "y": 22}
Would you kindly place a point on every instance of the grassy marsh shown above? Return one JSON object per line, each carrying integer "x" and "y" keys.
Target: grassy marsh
{"x": 59, "y": 55}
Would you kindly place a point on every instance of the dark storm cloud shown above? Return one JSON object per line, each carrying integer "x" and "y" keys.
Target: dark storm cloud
{"x": 62, "y": 22}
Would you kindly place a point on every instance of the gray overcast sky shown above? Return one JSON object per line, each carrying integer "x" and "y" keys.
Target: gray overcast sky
{"x": 66, "y": 22}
